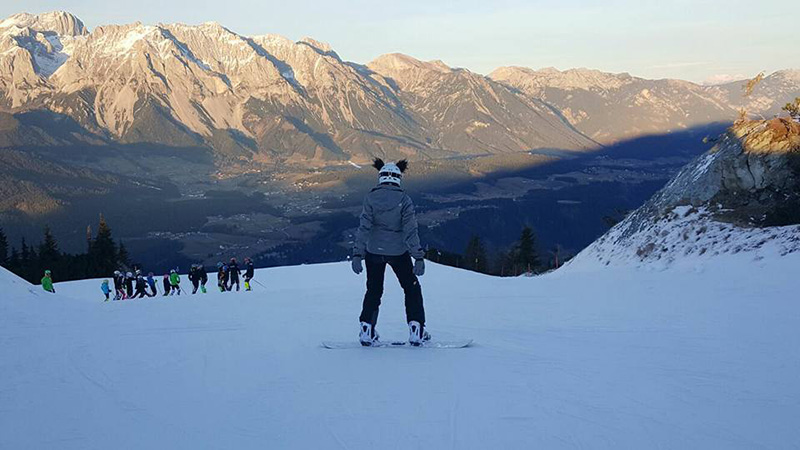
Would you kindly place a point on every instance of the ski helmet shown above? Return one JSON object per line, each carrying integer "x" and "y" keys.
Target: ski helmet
{"x": 390, "y": 173}
{"x": 219, "y": 265}
{"x": 138, "y": 272}
{"x": 173, "y": 271}
{"x": 47, "y": 272}
{"x": 129, "y": 275}
{"x": 117, "y": 273}
{"x": 233, "y": 260}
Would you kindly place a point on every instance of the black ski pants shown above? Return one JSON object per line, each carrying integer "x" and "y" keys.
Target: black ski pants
{"x": 404, "y": 270}
{"x": 234, "y": 276}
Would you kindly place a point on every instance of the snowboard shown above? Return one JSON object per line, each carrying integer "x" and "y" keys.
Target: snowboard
{"x": 397, "y": 344}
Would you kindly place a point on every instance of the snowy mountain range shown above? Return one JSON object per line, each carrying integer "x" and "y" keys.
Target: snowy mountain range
{"x": 266, "y": 98}
{"x": 262, "y": 97}
{"x": 612, "y": 107}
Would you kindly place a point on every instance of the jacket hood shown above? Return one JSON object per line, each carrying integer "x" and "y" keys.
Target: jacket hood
{"x": 385, "y": 197}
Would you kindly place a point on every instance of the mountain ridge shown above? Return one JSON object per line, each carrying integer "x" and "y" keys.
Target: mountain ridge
{"x": 266, "y": 98}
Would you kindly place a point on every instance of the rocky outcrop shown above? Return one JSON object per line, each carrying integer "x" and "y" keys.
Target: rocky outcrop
{"x": 742, "y": 196}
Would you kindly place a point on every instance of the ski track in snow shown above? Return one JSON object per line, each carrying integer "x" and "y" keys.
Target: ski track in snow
{"x": 699, "y": 356}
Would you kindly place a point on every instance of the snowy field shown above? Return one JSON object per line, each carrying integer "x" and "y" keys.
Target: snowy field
{"x": 694, "y": 357}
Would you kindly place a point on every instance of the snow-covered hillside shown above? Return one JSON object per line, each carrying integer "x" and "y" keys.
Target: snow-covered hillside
{"x": 602, "y": 358}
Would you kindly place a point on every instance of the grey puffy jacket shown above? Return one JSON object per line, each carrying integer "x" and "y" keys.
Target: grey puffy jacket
{"x": 388, "y": 224}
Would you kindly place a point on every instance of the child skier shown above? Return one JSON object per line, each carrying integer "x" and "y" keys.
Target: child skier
{"x": 106, "y": 290}
{"x": 47, "y": 282}
{"x": 152, "y": 283}
{"x": 129, "y": 285}
{"x": 222, "y": 277}
{"x": 203, "y": 276}
{"x": 174, "y": 282}
{"x": 387, "y": 234}
{"x": 167, "y": 286}
{"x": 233, "y": 274}
{"x": 248, "y": 274}
{"x": 119, "y": 291}
{"x": 194, "y": 277}
{"x": 141, "y": 287}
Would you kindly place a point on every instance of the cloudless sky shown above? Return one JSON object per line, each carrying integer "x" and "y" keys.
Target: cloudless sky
{"x": 693, "y": 40}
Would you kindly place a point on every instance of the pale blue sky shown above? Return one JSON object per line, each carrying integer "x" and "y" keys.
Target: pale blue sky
{"x": 692, "y": 40}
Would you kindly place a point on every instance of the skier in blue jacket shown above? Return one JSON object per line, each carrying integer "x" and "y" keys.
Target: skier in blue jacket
{"x": 106, "y": 289}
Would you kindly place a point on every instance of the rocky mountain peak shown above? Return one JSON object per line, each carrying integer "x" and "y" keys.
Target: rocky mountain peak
{"x": 537, "y": 80}
{"x": 59, "y": 22}
{"x": 398, "y": 63}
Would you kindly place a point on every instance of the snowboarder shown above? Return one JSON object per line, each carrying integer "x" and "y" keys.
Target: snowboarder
{"x": 174, "y": 282}
{"x": 167, "y": 286}
{"x": 129, "y": 285}
{"x": 233, "y": 274}
{"x": 119, "y": 288}
{"x": 141, "y": 287}
{"x": 248, "y": 274}
{"x": 152, "y": 283}
{"x": 47, "y": 282}
{"x": 222, "y": 277}
{"x": 106, "y": 290}
{"x": 387, "y": 234}
{"x": 201, "y": 272}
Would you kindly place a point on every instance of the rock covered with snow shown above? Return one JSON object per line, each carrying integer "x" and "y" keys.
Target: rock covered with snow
{"x": 742, "y": 196}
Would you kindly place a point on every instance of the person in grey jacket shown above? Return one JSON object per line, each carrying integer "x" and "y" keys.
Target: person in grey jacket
{"x": 387, "y": 234}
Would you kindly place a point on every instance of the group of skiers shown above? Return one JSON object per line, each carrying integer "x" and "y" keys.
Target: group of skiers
{"x": 136, "y": 285}
{"x": 228, "y": 275}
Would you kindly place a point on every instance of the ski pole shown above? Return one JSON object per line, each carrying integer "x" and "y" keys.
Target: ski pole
{"x": 259, "y": 284}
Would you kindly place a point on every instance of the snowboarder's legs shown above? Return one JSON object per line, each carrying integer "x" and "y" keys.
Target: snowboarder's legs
{"x": 404, "y": 269}
{"x": 376, "y": 269}
{"x": 196, "y": 285}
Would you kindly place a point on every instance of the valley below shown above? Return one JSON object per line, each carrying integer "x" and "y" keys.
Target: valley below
{"x": 173, "y": 208}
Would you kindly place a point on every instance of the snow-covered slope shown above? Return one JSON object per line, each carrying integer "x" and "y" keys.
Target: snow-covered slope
{"x": 614, "y": 358}
{"x": 740, "y": 198}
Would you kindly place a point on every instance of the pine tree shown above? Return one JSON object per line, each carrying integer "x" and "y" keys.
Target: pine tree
{"x": 793, "y": 108}
{"x": 49, "y": 255}
{"x": 122, "y": 256}
{"x": 526, "y": 258}
{"x": 475, "y": 255}
{"x": 103, "y": 253}
{"x": 24, "y": 267}
{"x": 13, "y": 261}
{"x": 3, "y": 249}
